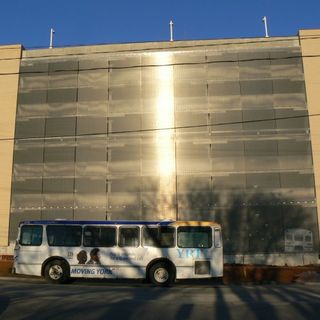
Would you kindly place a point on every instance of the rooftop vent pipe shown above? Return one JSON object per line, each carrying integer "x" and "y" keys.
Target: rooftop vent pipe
{"x": 171, "y": 30}
{"x": 264, "y": 19}
{"x": 51, "y": 37}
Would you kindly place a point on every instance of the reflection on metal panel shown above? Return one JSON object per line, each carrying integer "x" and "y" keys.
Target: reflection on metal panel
{"x": 165, "y": 135}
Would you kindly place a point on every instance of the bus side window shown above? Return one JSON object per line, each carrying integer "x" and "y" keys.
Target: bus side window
{"x": 194, "y": 237}
{"x": 166, "y": 237}
{"x": 217, "y": 238}
{"x": 150, "y": 237}
{"x": 31, "y": 235}
{"x": 99, "y": 236}
{"x": 160, "y": 237}
{"x": 129, "y": 237}
{"x": 59, "y": 236}
{"x": 87, "y": 237}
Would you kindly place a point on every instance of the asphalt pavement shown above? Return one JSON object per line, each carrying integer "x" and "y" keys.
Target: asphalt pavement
{"x": 33, "y": 298}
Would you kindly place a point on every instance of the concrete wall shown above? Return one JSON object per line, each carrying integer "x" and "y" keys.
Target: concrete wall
{"x": 310, "y": 48}
{"x": 9, "y": 80}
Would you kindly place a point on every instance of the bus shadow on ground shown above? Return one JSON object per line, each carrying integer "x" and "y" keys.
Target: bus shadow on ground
{"x": 140, "y": 282}
{"x": 4, "y": 304}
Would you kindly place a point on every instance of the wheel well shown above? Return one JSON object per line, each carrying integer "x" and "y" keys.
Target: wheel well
{"x": 51, "y": 259}
{"x": 165, "y": 260}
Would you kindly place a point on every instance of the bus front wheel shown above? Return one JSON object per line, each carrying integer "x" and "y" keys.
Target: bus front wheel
{"x": 56, "y": 271}
{"x": 161, "y": 274}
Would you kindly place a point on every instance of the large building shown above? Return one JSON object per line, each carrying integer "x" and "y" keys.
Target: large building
{"x": 226, "y": 130}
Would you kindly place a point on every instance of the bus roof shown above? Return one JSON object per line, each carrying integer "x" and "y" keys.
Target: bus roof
{"x": 123, "y": 222}
{"x": 195, "y": 223}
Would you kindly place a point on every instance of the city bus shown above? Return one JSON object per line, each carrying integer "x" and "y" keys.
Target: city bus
{"x": 158, "y": 251}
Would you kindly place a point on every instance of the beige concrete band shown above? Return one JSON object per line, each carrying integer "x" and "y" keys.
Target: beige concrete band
{"x": 310, "y": 47}
{"x": 9, "y": 80}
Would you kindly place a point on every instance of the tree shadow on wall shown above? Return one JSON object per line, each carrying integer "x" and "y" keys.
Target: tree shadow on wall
{"x": 252, "y": 222}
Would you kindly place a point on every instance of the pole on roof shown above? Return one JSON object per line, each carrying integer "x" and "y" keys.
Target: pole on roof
{"x": 264, "y": 19}
{"x": 51, "y": 37}
{"x": 171, "y": 30}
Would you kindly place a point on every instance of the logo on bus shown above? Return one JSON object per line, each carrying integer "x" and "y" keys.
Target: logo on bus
{"x": 190, "y": 253}
{"x": 90, "y": 271}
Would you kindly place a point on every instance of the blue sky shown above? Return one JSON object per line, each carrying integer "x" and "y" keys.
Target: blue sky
{"x": 117, "y": 21}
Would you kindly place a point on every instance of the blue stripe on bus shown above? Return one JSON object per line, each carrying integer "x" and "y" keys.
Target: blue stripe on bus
{"x": 84, "y": 222}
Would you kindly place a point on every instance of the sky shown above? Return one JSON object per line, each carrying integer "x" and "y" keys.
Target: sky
{"x": 83, "y": 22}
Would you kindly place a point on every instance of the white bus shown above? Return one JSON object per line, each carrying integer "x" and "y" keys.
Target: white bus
{"x": 159, "y": 251}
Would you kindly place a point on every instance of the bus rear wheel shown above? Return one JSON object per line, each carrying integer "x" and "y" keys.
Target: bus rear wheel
{"x": 161, "y": 274}
{"x": 56, "y": 271}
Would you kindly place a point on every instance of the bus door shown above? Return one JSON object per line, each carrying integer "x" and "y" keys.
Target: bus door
{"x": 28, "y": 248}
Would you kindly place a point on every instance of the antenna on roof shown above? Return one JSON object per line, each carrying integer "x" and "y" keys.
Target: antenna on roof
{"x": 51, "y": 37}
{"x": 264, "y": 19}
{"x": 171, "y": 30}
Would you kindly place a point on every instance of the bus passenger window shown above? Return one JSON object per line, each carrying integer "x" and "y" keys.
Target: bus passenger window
{"x": 99, "y": 236}
{"x": 31, "y": 235}
{"x": 129, "y": 237}
{"x": 64, "y": 236}
{"x": 150, "y": 237}
{"x": 160, "y": 237}
{"x": 194, "y": 237}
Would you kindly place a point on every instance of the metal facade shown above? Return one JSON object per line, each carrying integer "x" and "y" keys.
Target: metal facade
{"x": 198, "y": 133}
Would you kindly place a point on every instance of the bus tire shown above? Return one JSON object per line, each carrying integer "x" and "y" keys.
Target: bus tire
{"x": 161, "y": 274}
{"x": 56, "y": 271}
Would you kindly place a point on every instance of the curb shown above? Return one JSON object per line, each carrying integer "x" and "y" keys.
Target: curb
{"x": 307, "y": 283}
{"x": 21, "y": 278}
